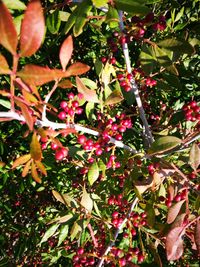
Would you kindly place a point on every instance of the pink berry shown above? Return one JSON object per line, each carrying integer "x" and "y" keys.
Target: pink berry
{"x": 98, "y": 151}
{"x": 63, "y": 104}
{"x": 59, "y": 155}
{"x": 71, "y": 96}
{"x": 54, "y": 146}
{"x": 62, "y": 115}
{"x": 75, "y": 104}
{"x": 81, "y": 139}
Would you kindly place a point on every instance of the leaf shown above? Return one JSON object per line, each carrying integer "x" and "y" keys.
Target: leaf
{"x": 26, "y": 168}
{"x": 66, "y": 52}
{"x": 21, "y": 160}
{"x": 174, "y": 211}
{"x": 114, "y": 98}
{"x": 162, "y": 57}
{"x": 89, "y": 95}
{"x": 99, "y": 3}
{"x": 8, "y": 33}
{"x": 65, "y": 199}
{"x": 5, "y": 103}
{"x": 81, "y": 16}
{"x": 70, "y": 22}
{"x": 180, "y": 46}
{"x": 41, "y": 167}
{"x": 174, "y": 243}
{"x": 86, "y": 201}
{"x": 112, "y": 17}
{"x": 136, "y": 7}
{"x": 34, "y": 173}
{"x": 62, "y": 219}
{"x": 32, "y": 29}
{"x": 194, "y": 157}
{"x": 27, "y": 115}
{"x": 76, "y": 229}
{"x": 37, "y": 75}
{"x": 49, "y": 233}
{"x": 164, "y": 144}
{"x": 63, "y": 234}
{"x": 35, "y": 148}
{"x": 53, "y": 22}
{"x": 197, "y": 236}
{"x": 93, "y": 173}
{"x": 4, "y": 68}
{"x": 65, "y": 84}
{"x": 14, "y": 4}
{"x": 77, "y": 68}
{"x": 58, "y": 196}
{"x": 89, "y": 111}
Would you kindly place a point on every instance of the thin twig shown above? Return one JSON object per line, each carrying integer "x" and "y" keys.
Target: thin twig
{"x": 112, "y": 242}
{"x": 134, "y": 87}
{"x": 92, "y": 235}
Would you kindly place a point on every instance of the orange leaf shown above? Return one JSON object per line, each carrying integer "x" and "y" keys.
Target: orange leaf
{"x": 41, "y": 167}
{"x": 30, "y": 98}
{"x": 66, "y": 52}
{"x": 35, "y": 148}
{"x": 4, "y": 68}
{"x": 65, "y": 84}
{"x": 77, "y": 68}
{"x": 26, "y": 113}
{"x": 21, "y": 160}
{"x": 32, "y": 29}
{"x": 26, "y": 168}
{"x": 34, "y": 174}
{"x": 8, "y": 33}
{"x": 36, "y": 75}
{"x": 89, "y": 95}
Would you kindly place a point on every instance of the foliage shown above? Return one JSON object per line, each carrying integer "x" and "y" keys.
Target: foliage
{"x": 99, "y": 137}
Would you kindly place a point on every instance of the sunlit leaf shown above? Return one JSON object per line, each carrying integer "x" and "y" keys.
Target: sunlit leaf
{"x": 174, "y": 211}
{"x": 8, "y": 33}
{"x": 15, "y": 4}
{"x": 65, "y": 84}
{"x": 77, "y": 68}
{"x": 93, "y": 173}
{"x": 66, "y": 52}
{"x": 194, "y": 158}
{"x": 114, "y": 98}
{"x": 34, "y": 173}
{"x": 99, "y": 3}
{"x": 35, "y": 148}
{"x": 75, "y": 231}
{"x": 27, "y": 114}
{"x": 21, "y": 160}
{"x": 164, "y": 144}
{"x": 89, "y": 95}
{"x": 86, "y": 201}
{"x": 26, "y": 168}
{"x": 41, "y": 167}
{"x": 32, "y": 29}
{"x": 49, "y": 233}
{"x": 4, "y": 68}
{"x": 63, "y": 233}
{"x": 53, "y": 22}
{"x": 176, "y": 45}
{"x": 37, "y": 75}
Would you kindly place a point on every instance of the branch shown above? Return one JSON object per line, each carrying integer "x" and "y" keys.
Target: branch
{"x": 112, "y": 243}
{"x": 134, "y": 87}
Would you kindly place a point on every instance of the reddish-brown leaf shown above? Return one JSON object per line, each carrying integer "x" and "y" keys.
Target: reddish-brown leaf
{"x": 32, "y": 29}
{"x": 41, "y": 167}
{"x": 36, "y": 75}
{"x": 35, "y": 148}
{"x": 65, "y": 84}
{"x": 66, "y": 52}
{"x": 34, "y": 173}
{"x": 29, "y": 98}
{"x": 197, "y": 236}
{"x": 4, "y": 68}
{"x": 26, "y": 168}
{"x": 174, "y": 243}
{"x": 89, "y": 95}
{"x": 77, "y": 68}
{"x": 26, "y": 113}
{"x": 174, "y": 211}
{"x": 21, "y": 160}
{"x": 8, "y": 33}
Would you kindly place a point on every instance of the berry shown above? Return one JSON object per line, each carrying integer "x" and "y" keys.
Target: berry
{"x": 71, "y": 96}
{"x": 81, "y": 139}
{"x": 59, "y": 155}
{"x": 63, "y": 104}
{"x": 62, "y": 115}
{"x": 113, "y": 60}
{"x": 103, "y": 59}
{"x": 54, "y": 146}
{"x": 75, "y": 104}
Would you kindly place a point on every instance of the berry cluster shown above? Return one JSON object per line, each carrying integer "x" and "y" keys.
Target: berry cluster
{"x": 170, "y": 199}
{"x": 192, "y": 111}
{"x": 153, "y": 167}
{"x": 80, "y": 259}
{"x": 70, "y": 108}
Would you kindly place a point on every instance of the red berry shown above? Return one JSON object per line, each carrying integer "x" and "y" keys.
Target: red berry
{"x": 122, "y": 262}
{"x": 54, "y": 146}
{"x": 64, "y": 151}
{"x": 62, "y": 115}
{"x": 113, "y": 60}
{"x": 140, "y": 258}
{"x": 75, "y": 104}
{"x": 120, "y": 76}
{"x": 71, "y": 112}
{"x": 79, "y": 110}
{"x": 71, "y": 96}
{"x": 129, "y": 76}
{"x": 127, "y": 88}
{"x": 81, "y": 139}
{"x": 63, "y": 104}
{"x": 44, "y": 139}
{"x": 103, "y": 59}
{"x": 59, "y": 155}
{"x": 118, "y": 137}
{"x": 80, "y": 251}
{"x": 98, "y": 151}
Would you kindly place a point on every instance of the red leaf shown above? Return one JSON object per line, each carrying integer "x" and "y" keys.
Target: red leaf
{"x": 32, "y": 29}
{"x": 89, "y": 95}
{"x": 174, "y": 243}
{"x": 27, "y": 115}
{"x": 21, "y": 160}
{"x": 36, "y": 75}
{"x": 197, "y": 236}
{"x": 35, "y": 148}
{"x": 66, "y": 52}
{"x": 8, "y": 33}
{"x": 77, "y": 68}
{"x": 4, "y": 68}
{"x": 34, "y": 174}
{"x": 174, "y": 211}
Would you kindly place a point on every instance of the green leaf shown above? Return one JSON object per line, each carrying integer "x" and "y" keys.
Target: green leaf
{"x": 136, "y": 7}
{"x": 99, "y": 3}
{"x": 53, "y": 22}
{"x": 5, "y": 103}
{"x": 114, "y": 98}
{"x": 180, "y": 46}
{"x": 86, "y": 201}
{"x": 93, "y": 173}
{"x": 35, "y": 148}
{"x": 89, "y": 110}
{"x": 14, "y": 4}
{"x": 76, "y": 230}
{"x": 162, "y": 57}
{"x": 49, "y": 233}
{"x": 112, "y": 17}
{"x": 81, "y": 16}
{"x": 147, "y": 59}
{"x": 164, "y": 144}
{"x": 194, "y": 157}
{"x": 63, "y": 234}
{"x": 70, "y": 22}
